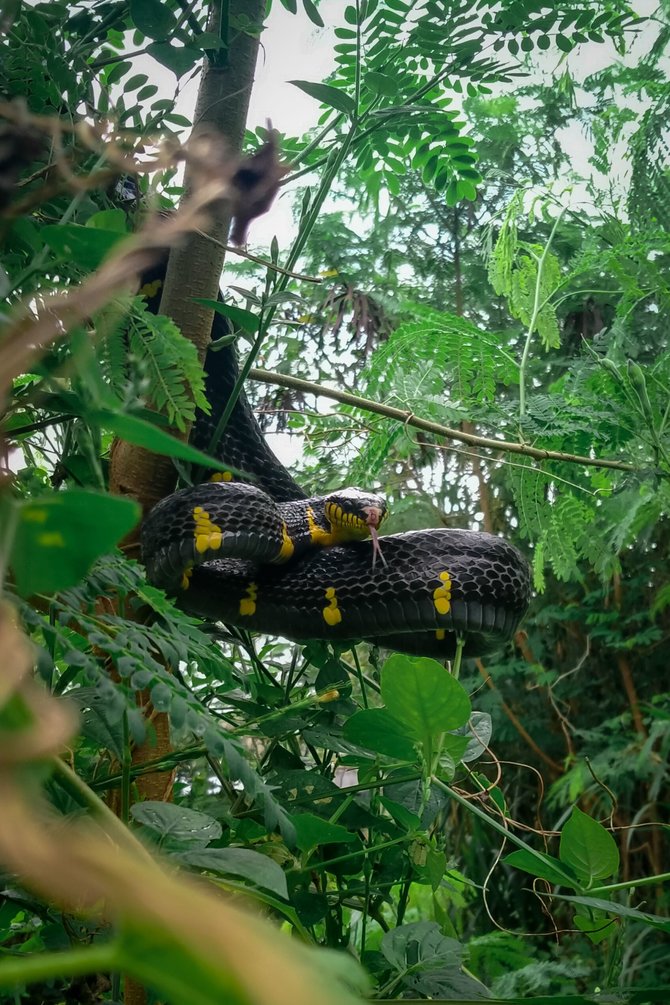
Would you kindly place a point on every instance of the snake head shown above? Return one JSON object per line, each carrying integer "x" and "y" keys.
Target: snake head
{"x": 355, "y": 514}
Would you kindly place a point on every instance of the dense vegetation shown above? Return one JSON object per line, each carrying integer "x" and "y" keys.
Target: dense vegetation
{"x": 498, "y": 833}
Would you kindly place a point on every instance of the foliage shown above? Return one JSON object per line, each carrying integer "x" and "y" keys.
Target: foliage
{"x": 367, "y": 802}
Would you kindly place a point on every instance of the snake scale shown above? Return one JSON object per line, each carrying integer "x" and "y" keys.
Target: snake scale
{"x": 265, "y": 557}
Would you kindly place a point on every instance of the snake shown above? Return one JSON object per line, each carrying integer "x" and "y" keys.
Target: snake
{"x": 257, "y": 553}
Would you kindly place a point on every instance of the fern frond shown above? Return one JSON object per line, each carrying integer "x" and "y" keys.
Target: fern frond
{"x": 501, "y": 259}
{"x": 169, "y": 363}
{"x": 529, "y": 487}
{"x": 448, "y": 352}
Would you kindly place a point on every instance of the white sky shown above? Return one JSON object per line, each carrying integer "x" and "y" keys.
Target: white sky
{"x": 293, "y": 48}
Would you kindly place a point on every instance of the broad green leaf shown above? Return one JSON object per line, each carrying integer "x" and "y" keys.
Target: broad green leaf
{"x": 312, "y": 13}
{"x": 179, "y": 59}
{"x": 588, "y": 848}
{"x": 597, "y": 926}
{"x": 135, "y": 82}
{"x": 621, "y": 910}
{"x": 376, "y": 729}
{"x": 152, "y": 17}
{"x": 116, "y": 72}
{"x": 410, "y": 821}
{"x": 433, "y": 868}
{"x": 209, "y": 40}
{"x": 86, "y": 246}
{"x": 58, "y": 537}
{"x": 109, "y": 219}
{"x": 422, "y": 695}
{"x": 312, "y": 831}
{"x": 478, "y": 734}
{"x": 465, "y": 190}
{"x": 258, "y": 869}
{"x": 542, "y": 865}
{"x": 428, "y": 963}
{"x": 240, "y": 318}
{"x": 564, "y": 43}
{"x": 381, "y": 83}
{"x": 334, "y": 97}
{"x": 451, "y": 195}
{"x": 178, "y": 823}
{"x": 144, "y": 434}
{"x": 454, "y": 746}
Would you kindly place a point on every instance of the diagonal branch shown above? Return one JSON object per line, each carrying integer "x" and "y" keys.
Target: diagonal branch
{"x": 409, "y": 419}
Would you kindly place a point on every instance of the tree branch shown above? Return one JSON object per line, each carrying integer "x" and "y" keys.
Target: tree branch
{"x": 409, "y": 419}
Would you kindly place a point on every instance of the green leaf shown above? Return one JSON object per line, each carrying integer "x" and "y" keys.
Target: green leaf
{"x": 258, "y": 869}
{"x": 410, "y": 821}
{"x": 588, "y": 848}
{"x": 135, "y": 82}
{"x": 428, "y": 963}
{"x": 179, "y": 59}
{"x": 542, "y": 865}
{"x": 109, "y": 219}
{"x": 451, "y": 195}
{"x": 312, "y": 831}
{"x": 240, "y": 318}
{"x": 152, "y": 17}
{"x": 313, "y": 14}
{"x": 85, "y": 246}
{"x": 621, "y": 910}
{"x": 597, "y": 926}
{"x": 58, "y": 537}
{"x": 334, "y": 97}
{"x": 564, "y": 43}
{"x": 144, "y": 434}
{"x": 381, "y": 83}
{"x": 422, "y": 695}
{"x": 465, "y": 190}
{"x": 178, "y": 823}
{"x": 376, "y": 729}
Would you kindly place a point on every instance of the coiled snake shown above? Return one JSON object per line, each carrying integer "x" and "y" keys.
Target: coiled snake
{"x": 264, "y": 557}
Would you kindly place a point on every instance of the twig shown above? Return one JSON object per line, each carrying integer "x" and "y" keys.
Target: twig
{"x": 536, "y": 311}
{"x": 259, "y": 261}
{"x": 409, "y": 419}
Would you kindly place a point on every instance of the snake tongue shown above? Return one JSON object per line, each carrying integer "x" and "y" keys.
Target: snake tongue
{"x": 376, "y": 547}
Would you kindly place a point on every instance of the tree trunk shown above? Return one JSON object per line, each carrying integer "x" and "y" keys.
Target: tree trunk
{"x": 194, "y": 269}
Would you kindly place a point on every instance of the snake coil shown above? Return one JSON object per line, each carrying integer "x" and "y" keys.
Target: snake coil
{"x": 264, "y": 557}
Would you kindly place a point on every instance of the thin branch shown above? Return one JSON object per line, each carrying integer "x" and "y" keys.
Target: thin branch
{"x": 233, "y": 249}
{"x": 536, "y": 311}
{"x": 409, "y": 419}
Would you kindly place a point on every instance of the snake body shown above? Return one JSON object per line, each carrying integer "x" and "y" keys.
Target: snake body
{"x": 265, "y": 557}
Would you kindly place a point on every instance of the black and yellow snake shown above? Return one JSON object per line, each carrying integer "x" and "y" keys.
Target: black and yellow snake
{"x": 266, "y": 558}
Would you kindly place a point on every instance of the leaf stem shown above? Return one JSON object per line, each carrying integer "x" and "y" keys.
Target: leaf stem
{"x": 356, "y": 854}
{"x": 630, "y": 884}
{"x": 267, "y": 316}
{"x": 523, "y": 366}
{"x": 85, "y": 796}
{"x": 40, "y": 967}
{"x": 472, "y": 807}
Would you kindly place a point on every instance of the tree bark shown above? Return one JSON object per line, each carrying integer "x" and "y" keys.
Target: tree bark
{"x": 194, "y": 269}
